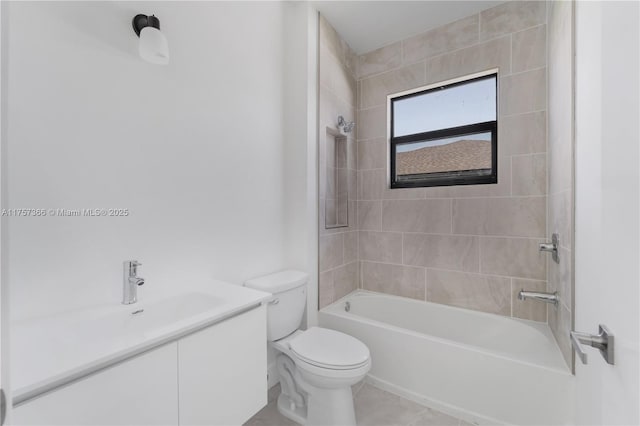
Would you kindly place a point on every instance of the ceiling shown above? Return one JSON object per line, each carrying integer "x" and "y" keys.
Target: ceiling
{"x": 368, "y": 25}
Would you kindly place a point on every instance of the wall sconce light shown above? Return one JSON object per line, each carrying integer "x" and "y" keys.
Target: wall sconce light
{"x": 153, "y": 47}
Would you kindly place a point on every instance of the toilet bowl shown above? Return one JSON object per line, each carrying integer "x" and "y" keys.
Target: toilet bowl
{"x": 316, "y": 367}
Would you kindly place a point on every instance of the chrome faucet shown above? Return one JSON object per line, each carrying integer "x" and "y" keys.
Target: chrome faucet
{"x": 544, "y": 297}
{"x": 131, "y": 282}
{"x": 552, "y": 247}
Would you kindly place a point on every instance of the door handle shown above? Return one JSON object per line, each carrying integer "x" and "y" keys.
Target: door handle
{"x": 602, "y": 341}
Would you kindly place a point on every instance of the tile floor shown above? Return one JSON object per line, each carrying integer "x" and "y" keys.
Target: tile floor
{"x": 374, "y": 407}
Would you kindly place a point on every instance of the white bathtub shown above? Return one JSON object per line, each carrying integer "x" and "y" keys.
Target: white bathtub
{"x": 482, "y": 368}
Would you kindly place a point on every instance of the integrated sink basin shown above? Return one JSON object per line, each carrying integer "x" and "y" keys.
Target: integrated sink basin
{"x": 51, "y": 351}
{"x": 154, "y": 317}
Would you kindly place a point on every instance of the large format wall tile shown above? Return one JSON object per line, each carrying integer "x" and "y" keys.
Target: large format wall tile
{"x": 384, "y": 59}
{"x": 472, "y": 291}
{"x": 336, "y": 77}
{"x": 330, "y": 40}
{"x": 502, "y": 188}
{"x": 371, "y": 184}
{"x": 511, "y": 17}
{"x": 560, "y": 216}
{"x": 338, "y": 251}
{"x": 529, "y": 49}
{"x": 560, "y": 279}
{"x": 402, "y": 193}
{"x": 372, "y": 123}
{"x": 406, "y": 281}
{"x": 331, "y": 251}
{"x": 370, "y": 215}
{"x": 326, "y": 287}
{"x": 528, "y": 309}
{"x": 529, "y": 174}
{"x": 516, "y": 217}
{"x": 514, "y": 257}
{"x": 561, "y": 173}
{"x": 427, "y": 216}
{"x": 523, "y": 134}
{"x": 481, "y": 57}
{"x": 372, "y": 154}
{"x": 477, "y": 240}
{"x": 350, "y": 246}
{"x": 453, "y": 36}
{"x": 560, "y": 323}
{"x": 345, "y": 279}
{"x": 458, "y": 253}
{"x": 375, "y": 89}
{"x": 522, "y": 92}
{"x": 380, "y": 246}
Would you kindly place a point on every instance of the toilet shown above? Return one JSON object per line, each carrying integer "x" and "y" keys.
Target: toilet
{"x": 317, "y": 366}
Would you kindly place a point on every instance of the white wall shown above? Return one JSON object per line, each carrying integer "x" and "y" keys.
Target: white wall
{"x": 193, "y": 149}
{"x": 607, "y": 243}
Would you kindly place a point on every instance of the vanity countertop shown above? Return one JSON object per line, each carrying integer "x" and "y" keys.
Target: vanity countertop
{"x": 51, "y": 351}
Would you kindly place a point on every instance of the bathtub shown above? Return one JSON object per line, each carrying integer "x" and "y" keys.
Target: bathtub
{"x": 482, "y": 368}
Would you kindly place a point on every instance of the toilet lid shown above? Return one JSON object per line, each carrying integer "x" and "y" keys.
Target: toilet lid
{"x": 329, "y": 349}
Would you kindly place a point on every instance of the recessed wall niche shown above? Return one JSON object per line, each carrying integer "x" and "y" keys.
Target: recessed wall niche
{"x": 337, "y": 181}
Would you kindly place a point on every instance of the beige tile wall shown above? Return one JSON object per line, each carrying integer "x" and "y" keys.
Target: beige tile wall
{"x": 560, "y": 204}
{"x": 339, "y": 266}
{"x": 467, "y": 246}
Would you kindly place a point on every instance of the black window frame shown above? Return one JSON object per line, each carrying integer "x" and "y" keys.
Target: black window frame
{"x": 445, "y": 178}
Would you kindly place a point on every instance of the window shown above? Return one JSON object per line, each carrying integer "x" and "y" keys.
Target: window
{"x": 445, "y": 135}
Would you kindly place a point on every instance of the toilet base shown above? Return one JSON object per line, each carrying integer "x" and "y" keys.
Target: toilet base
{"x": 288, "y": 408}
{"x": 326, "y": 407}
{"x": 312, "y": 395}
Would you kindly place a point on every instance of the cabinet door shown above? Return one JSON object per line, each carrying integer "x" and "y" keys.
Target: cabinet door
{"x": 140, "y": 391}
{"x": 223, "y": 371}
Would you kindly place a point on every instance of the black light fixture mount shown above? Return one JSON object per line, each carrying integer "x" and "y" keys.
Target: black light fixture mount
{"x": 143, "y": 21}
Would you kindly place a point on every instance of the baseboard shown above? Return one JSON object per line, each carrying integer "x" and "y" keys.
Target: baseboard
{"x": 465, "y": 415}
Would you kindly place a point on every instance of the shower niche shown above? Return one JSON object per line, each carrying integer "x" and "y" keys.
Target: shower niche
{"x": 337, "y": 180}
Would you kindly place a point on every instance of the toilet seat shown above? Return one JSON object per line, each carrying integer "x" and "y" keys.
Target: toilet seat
{"x": 329, "y": 349}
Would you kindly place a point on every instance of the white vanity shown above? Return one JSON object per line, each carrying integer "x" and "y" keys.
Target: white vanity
{"x": 195, "y": 357}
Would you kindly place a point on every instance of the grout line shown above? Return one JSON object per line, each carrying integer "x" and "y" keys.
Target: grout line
{"x": 530, "y": 28}
{"x": 426, "y": 284}
{"x": 511, "y": 297}
{"x": 451, "y": 214}
{"x": 515, "y": 74}
{"x": 436, "y": 268}
{"x": 511, "y": 171}
{"x": 539, "y": 238}
{"x": 530, "y": 154}
{"x": 479, "y": 256}
{"x": 511, "y": 54}
{"x": 535, "y": 111}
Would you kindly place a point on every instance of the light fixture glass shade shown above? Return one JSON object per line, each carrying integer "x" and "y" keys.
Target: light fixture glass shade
{"x": 154, "y": 47}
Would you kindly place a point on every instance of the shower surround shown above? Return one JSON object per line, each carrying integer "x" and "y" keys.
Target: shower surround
{"x": 338, "y": 254}
{"x": 468, "y": 246}
{"x": 473, "y": 246}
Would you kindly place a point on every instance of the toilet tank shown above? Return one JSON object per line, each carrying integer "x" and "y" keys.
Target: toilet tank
{"x": 284, "y": 312}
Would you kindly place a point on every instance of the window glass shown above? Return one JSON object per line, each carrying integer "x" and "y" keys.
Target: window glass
{"x": 459, "y": 105}
{"x": 445, "y": 135}
{"x": 470, "y": 154}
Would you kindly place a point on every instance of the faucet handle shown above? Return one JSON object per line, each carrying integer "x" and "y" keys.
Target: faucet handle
{"x": 131, "y": 267}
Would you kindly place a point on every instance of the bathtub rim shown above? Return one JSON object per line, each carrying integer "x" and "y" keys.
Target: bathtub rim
{"x": 341, "y": 313}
